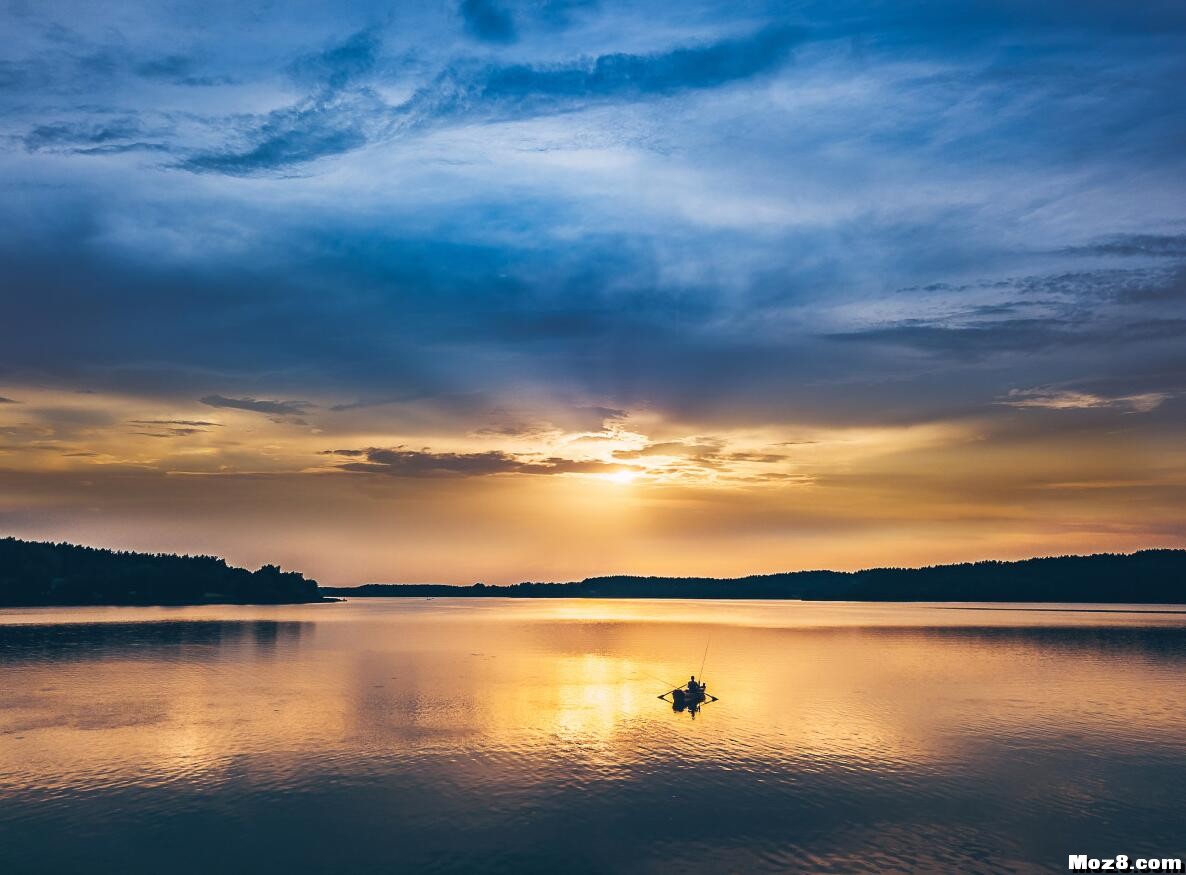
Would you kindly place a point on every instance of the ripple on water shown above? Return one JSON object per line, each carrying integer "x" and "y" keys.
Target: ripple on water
{"x": 528, "y": 738}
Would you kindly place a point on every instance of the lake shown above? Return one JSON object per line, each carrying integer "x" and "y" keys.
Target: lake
{"x": 495, "y": 735}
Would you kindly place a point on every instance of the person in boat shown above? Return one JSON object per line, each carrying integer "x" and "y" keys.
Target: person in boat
{"x": 695, "y": 688}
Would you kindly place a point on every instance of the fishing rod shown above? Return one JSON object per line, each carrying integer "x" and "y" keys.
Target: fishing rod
{"x": 660, "y": 680}
{"x": 702, "y": 691}
{"x": 703, "y": 660}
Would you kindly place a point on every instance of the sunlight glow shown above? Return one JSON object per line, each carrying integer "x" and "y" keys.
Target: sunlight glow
{"x": 624, "y": 477}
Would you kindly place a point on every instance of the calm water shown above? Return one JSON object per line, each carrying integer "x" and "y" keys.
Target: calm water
{"x": 525, "y": 736}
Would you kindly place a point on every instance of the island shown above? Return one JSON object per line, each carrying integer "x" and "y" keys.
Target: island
{"x": 1144, "y": 577}
{"x": 34, "y": 574}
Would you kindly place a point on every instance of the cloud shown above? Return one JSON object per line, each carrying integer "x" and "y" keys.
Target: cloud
{"x": 1068, "y": 399}
{"x": 488, "y": 21}
{"x": 91, "y": 137}
{"x": 968, "y": 341}
{"x": 592, "y": 418}
{"x": 337, "y": 118}
{"x": 172, "y": 67}
{"x": 4, "y": 400}
{"x": 342, "y": 63}
{"x": 171, "y": 432}
{"x": 559, "y": 14}
{"x": 321, "y": 126}
{"x": 1078, "y": 321}
{"x": 700, "y": 449}
{"x": 365, "y": 403}
{"x": 273, "y": 408}
{"x": 343, "y": 115}
{"x": 195, "y": 423}
{"x": 399, "y": 462}
{"x": 173, "y": 428}
{"x": 517, "y": 90}
{"x": 762, "y": 458}
{"x": 696, "y": 456}
{"x": 1158, "y": 245}
{"x": 516, "y": 428}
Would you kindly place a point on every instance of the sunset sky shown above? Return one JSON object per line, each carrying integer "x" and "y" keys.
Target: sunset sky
{"x": 501, "y": 291}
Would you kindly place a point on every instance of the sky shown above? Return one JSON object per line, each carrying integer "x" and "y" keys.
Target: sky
{"x": 499, "y": 291}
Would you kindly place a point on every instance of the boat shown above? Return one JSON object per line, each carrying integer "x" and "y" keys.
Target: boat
{"x": 689, "y": 697}
{"x": 682, "y": 698}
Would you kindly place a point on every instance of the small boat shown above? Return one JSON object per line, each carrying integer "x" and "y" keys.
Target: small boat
{"x": 689, "y": 697}
{"x": 683, "y": 697}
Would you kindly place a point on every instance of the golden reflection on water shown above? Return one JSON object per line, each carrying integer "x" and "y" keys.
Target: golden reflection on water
{"x": 807, "y": 681}
{"x": 503, "y": 697}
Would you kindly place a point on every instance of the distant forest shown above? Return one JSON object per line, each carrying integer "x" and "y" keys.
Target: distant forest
{"x": 34, "y": 573}
{"x": 1146, "y": 577}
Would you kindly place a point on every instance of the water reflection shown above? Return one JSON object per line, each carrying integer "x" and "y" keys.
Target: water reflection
{"x": 190, "y": 640}
{"x": 529, "y": 737}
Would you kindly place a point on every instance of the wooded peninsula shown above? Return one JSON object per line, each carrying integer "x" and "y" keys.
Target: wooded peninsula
{"x": 33, "y": 573}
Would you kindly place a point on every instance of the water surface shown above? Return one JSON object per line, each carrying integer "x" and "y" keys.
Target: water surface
{"x": 526, "y": 736}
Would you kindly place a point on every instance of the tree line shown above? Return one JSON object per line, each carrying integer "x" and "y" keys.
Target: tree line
{"x": 1145, "y": 577}
{"x": 35, "y": 573}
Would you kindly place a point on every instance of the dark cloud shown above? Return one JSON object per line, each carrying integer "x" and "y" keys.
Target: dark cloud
{"x": 171, "y": 432}
{"x": 179, "y": 70}
{"x": 1158, "y": 290}
{"x": 1005, "y": 336}
{"x": 170, "y": 67}
{"x": 87, "y": 136}
{"x": 488, "y": 21}
{"x": 556, "y": 465}
{"x": 193, "y": 423}
{"x": 4, "y": 400}
{"x": 970, "y": 342}
{"x": 273, "y": 408}
{"x": 522, "y": 89}
{"x": 762, "y": 458}
{"x": 1158, "y": 245}
{"x": 342, "y": 116}
{"x": 1152, "y": 330}
{"x": 337, "y": 118}
{"x": 173, "y": 428}
{"x": 340, "y": 64}
{"x": 324, "y": 125}
{"x": 559, "y": 14}
{"x": 399, "y": 462}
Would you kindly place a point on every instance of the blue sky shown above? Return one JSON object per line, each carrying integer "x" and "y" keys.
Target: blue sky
{"x": 388, "y": 229}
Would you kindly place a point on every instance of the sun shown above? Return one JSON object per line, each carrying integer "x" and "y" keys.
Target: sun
{"x": 625, "y": 476}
